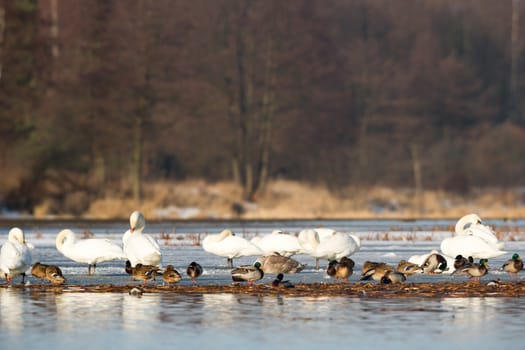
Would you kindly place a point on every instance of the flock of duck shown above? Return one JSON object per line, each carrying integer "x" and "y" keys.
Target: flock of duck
{"x": 472, "y": 240}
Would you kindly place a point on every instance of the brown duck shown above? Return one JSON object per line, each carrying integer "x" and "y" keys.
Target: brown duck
{"x": 49, "y": 273}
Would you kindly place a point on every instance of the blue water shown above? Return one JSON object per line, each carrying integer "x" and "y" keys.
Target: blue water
{"x": 71, "y": 320}
{"x": 226, "y": 321}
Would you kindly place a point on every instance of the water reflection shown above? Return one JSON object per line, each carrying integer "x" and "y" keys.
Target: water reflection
{"x": 11, "y": 312}
{"x": 40, "y": 319}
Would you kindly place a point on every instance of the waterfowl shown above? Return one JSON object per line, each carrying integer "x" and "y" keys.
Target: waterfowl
{"x": 391, "y": 277}
{"x": 15, "y": 255}
{"x": 140, "y": 247}
{"x": 49, "y": 273}
{"x": 333, "y": 246}
{"x": 408, "y": 268}
{"x": 227, "y": 245}
{"x": 435, "y": 263}
{"x": 376, "y": 271}
{"x": 421, "y": 259}
{"x": 170, "y": 275}
{"x": 513, "y": 265}
{"x": 470, "y": 245}
{"x": 194, "y": 270}
{"x": 277, "y": 242}
{"x": 461, "y": 261}
{"x": 280, "y": 264}
{"x": 144, "y": 272}
{"x": 343, "y": 269}
{"x": 472, "y": 225}
{"x": 91, "y": 251}
{"x": 248, "y": 273}
{"x": 279, "y": 283}
{"x": 476, "y": 270}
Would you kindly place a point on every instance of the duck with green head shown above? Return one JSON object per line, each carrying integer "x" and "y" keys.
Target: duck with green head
{"x": 477, "y": 270}
{"x": 513, "y": 265}
{"x": 248, "y": 273}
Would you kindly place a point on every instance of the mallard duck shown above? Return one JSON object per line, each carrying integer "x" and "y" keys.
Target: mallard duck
{"x": 140, "y": 247}
{"x": 279, "y": 283}
{"x": 376, "y": 272}
{"x": 391, "y": 277}
{"x": 144, "y": 272}
{"x": 277, "y": 263}
{"x": 513, "y": 265}
{"x": 461, "y": 261}
{"x": 367, "y": 265}
{"x": 194, "y": 270}
{"x": 343, "y": 269}
{"x": 435, "y": 263}
{"x": 49, "y": 273}
{"x": 170, "y": 275}
{"x": 408, "y": 268}
{"x": 477, "y": 270}
{"x": 330, "y": 269}
{"x": 15, "y": 255}
{"x": 248, "y": 273}
{"x": 90, "y": 251}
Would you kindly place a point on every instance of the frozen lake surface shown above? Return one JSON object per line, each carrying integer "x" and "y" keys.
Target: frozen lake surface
{"x": 35, "y": 319}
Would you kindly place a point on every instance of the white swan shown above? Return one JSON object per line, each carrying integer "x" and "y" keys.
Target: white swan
{"x": 91, "y": 251}
{"x": 277, "y": 242}
{"x": 472, "y": 238}
{"x": 140, "y": 247}
{"x": 469, "y": 245}
{"x": 334, "y": 246}
{"x": 15, "y": 255}
{"x": 227, "y": 245}
{"x": 472, "y": 225}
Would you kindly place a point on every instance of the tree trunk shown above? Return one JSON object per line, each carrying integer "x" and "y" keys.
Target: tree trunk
{"x": 137, "y": 160}
{"x": 418, "y": 176}
{"x": 514, "y": 59}
{"x": 2, "y": 31}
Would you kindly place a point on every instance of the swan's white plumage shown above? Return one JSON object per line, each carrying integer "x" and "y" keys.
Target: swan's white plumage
{"x": 277, "y": 242}
{"x": 468, "y": 245}
{"x": 472, "y": 238}
{"x": 89, "y": 251}
{"x": 227, "y": 245}
{"x": 15, "y": 254}
{"x": 140, "y": 247}
{"x": 334, "y": 245}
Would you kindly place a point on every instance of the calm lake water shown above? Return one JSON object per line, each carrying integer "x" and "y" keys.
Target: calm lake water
{"x": 35, "y": 319}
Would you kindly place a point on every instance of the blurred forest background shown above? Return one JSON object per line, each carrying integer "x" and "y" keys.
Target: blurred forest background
{"x": 234, "y": 107}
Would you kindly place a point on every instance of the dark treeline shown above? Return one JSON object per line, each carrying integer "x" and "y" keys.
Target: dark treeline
{"x": 98, "y": 96}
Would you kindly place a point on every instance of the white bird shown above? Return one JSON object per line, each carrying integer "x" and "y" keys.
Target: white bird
{"x": 472, "y": 238}
{"x": 470, "y": 245}
{"x": 15, "y": 255}
{"x": 278, "y": 242}
{"x": 91, "y": 251}
{"x": 227, "y": 245}
{"x": 140, "y": 248}
{"x": 472, "y": 225}
{"x": 334, "y": 246}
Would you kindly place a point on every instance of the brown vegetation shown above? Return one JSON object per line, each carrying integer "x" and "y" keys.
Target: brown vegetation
{"x": 356, "y": 290}
{"x": 294, "y": 200}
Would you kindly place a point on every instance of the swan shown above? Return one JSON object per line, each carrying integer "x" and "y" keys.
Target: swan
{"x": 89, "y": 251}
{"x": 472, "y": 225}
{"x": 470, "y": 245}
{"x": 15, "y": 255}
{"x": 278, "y": 242}
{"x": 333, "y": 247}
{"x": 140, "y": 248}
{"x": 227, "y": 245}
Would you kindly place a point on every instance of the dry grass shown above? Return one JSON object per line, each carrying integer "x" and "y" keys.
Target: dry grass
{"x": 197, "y": 199}
{"x": 360, "y": 290}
